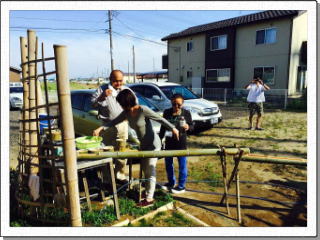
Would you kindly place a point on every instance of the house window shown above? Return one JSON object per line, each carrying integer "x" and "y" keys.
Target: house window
{"x": 218, "y": 75}
{"x": 267, "y": 74}
{"x": 218, "y": 42}
{"x": 189, "y": 46}
{"x": 266, "y": 36}
{"x": 189, "y": 74}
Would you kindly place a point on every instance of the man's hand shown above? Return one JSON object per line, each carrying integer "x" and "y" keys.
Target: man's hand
{"x": 175, "y": 133}
{"x": 107, "y": 92}
{"x": 97, "y": 131}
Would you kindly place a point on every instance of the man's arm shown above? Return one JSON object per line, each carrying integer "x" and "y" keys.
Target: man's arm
{"x": 99, "y": 96}
{"x": 266, "y": 87}
{"x": 248, "y": 85}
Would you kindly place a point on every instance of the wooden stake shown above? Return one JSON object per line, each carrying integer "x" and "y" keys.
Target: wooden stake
{"x": 224, "y": 172}
{"x": 235, "y": 168}
{"x": 24, "y": 67}
{"x": 238, "y": 198}
{"x": 32, "y": 101}
{"x": 140, "y": 182}
{"x": 69, "y": 148}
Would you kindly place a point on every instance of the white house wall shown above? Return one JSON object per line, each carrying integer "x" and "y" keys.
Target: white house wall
{"x": 190, "y": 61}
{"x": 249, "y": 55}
{"x": 299, "y": 34}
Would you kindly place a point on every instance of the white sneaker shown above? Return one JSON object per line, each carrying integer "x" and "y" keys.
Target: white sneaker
{"x": 178, "y": 190}
{"x": 166, "y": 187}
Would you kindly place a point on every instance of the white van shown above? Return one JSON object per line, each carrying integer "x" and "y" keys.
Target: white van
{"x": 203, "y": 112}
{"x": 16, "y": 95}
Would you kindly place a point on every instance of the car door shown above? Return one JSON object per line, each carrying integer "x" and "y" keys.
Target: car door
{"x": 78, "y": 113}
{"x": 154, "y": 96}
{"x": 89, "y": 121}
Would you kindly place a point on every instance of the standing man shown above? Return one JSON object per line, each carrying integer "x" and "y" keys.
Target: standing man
{"x": 255, "y": 99}
{"x": 105, "y": 100}
{"x": 181, "y": 118}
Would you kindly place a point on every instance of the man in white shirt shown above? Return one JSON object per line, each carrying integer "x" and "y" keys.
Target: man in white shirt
{"x": 256, "y": 99}
{"x": 105, "y": 100}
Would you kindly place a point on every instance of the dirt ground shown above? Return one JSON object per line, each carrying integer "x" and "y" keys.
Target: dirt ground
{"x": 281, "y": 204}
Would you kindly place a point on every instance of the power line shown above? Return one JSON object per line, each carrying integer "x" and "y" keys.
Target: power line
{"x": 127, "y": 26}
{"x": 22, "y": 30}
{"x": 90, "y": 30}
{"x": 143, "y": 39}
{"x": 59, "y": 20}
{"x": 68, "y": 29}
{"x": 134, "y": 30}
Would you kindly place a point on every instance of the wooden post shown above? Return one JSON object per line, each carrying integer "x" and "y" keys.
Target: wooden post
{"x": 32, "y": 102}
{"x": 238, "y": 198}
{"x": 140, "y": 182}
{"x": 69, "y": 148}
{"x": 234, "y": 171}
{"x": 24, "y": 67}
{"x": 224, "y": 172}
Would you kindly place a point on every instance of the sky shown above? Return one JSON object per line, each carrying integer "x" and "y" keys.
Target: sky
{"x": 89, "y": 48}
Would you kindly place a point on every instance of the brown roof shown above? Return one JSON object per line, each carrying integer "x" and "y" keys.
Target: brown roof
{"x": 246, "y": 19}
{"x": 14, "y": 69}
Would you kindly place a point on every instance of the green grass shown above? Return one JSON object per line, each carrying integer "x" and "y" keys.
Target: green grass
{"x": 207, "y": 174}
{"x": 73, "y": 86}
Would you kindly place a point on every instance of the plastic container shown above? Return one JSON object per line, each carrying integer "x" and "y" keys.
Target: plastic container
{"x": 88, "y": 142}
{"x": 44, "y": 123}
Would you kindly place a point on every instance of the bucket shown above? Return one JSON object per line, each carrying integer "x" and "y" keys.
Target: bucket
{"x": 44, "y": 122}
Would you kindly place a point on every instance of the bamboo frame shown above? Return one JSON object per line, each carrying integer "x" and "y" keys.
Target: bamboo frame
{"x": 32, "y": 99}
{"x": 25, "y": 70}
{"x": 60, "y": 53}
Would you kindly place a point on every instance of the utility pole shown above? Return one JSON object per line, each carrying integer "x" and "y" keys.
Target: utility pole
{"x": 133, "y": 65}
{"x": 128, "y": 72}
{"x": 110, "y": 35}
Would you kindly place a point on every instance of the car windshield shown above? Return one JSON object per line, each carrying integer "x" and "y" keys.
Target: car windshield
{"x": 16, "y": 89}
{"x": 144, "y": 102}
{"x": 185, "y": 92}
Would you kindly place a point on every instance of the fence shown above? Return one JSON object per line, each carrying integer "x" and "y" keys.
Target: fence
{"x": 275, "y": 98}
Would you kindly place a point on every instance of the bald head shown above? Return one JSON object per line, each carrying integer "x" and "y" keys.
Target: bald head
{"x": 116, "y": 79}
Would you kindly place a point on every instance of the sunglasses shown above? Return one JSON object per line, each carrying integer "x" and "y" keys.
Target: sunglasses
{"x": 176, "y": 104}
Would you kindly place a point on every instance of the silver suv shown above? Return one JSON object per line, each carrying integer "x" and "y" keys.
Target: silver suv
{"x": 203, "y": 112}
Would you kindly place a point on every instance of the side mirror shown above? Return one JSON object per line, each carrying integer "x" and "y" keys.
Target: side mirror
{"x": 94, "y": 113}
{"x": 156, "y": 97}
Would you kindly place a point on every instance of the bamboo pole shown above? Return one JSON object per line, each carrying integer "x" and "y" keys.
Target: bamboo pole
{"x": 32, "y": 100}
{"x": 162, "y": 153}
{"x": 69, "y": 148}
{"x": 24, "y": 67}
{"x": 274, "y": 160}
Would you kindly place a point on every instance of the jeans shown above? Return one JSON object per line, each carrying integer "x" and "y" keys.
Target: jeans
{"x": 183, "y": 171}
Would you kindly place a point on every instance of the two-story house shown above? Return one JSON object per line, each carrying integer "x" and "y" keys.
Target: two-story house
{"x": 229, "y": 53}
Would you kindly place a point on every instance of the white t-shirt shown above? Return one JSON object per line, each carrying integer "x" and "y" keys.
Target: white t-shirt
{"x": 256, "y": 93}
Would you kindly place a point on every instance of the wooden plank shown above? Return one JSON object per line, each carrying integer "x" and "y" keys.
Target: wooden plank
{"x": 114, "y": 190}
{"x": 86, "y": 189}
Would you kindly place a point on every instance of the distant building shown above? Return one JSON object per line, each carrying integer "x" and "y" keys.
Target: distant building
{"x": 228, "y": 53}
{"x": 14, "y": 75}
